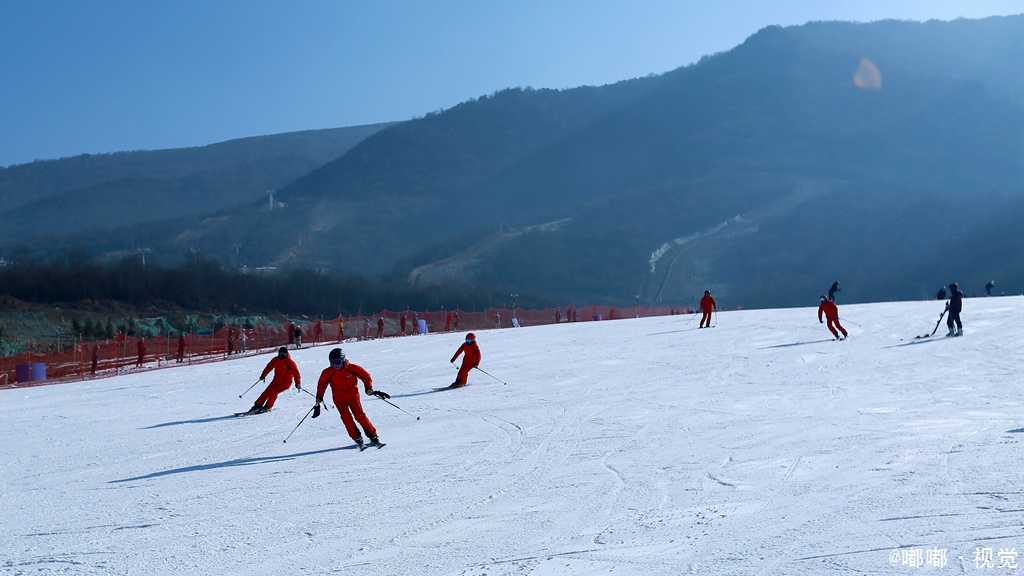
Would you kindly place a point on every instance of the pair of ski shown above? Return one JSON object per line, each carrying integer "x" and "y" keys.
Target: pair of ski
{"x": 933, "y": 329}
{"x": 378, "y": 445}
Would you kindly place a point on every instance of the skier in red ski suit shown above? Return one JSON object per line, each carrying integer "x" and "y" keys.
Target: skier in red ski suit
{"x": 285, "y": 371}
{"x": 707, "y": 304}
{"x": 343, "y": 378}
{"x": 831, "y": 312}
{"x": 469, "y": 361}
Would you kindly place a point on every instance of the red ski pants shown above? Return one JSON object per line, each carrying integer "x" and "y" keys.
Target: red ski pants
{"x": 351, "y": 410}
{"x": 833, "y": 323}
{"x": 463, "y": 376}
{"x": 705, "y": 318}
{"x": 269, "y": 395}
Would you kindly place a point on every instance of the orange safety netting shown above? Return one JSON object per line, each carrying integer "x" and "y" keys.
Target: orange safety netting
{"x": 86, "y": 360}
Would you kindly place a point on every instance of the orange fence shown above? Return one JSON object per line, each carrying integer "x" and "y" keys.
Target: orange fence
{"x": 87, "y": 360}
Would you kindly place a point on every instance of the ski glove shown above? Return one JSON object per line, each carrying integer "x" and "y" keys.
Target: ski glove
{"x": 316, "y": 410}
{"x": 381, "y": 395}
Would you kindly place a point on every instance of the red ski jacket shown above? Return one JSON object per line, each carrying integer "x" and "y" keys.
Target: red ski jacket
{"x": 828, "y": 307}
{"x": 344, "y": 380}
{"x": 284, "y": 371}
{"x": 472, "y": 351}
{"x": 707, "y": 303}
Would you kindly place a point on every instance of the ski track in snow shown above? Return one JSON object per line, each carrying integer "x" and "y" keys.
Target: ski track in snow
{"x": 761, "y": 447}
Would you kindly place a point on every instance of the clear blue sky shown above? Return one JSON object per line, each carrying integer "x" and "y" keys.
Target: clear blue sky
{"x": 92, "y": 76}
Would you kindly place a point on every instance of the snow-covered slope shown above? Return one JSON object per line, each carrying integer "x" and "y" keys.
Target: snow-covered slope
{"x": 628, "y": 447}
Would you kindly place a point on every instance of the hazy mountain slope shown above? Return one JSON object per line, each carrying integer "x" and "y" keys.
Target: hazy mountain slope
{"x": 886, "y": 184}
{"x": 125, "y": 188}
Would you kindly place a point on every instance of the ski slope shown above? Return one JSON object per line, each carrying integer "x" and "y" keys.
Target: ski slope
{"x": 639, "y": 446}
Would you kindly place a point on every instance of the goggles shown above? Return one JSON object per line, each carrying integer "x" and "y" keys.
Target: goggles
{"x": 338, "y": 362}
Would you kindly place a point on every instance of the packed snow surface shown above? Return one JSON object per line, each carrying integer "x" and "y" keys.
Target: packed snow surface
{"x": 638, "y": 446}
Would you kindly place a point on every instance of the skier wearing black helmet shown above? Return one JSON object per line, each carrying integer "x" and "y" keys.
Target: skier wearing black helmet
{"x": 954, "y": 306}
{"x": 285, "y": 371}
{"x": 343, "y": 377}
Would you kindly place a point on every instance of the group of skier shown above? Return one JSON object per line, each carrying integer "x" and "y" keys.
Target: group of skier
{"x": 343, "y": 378}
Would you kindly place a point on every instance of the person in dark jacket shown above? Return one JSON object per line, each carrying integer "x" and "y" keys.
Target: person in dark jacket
{"x": 941, "y": 294}
{"x": 954, "y": 306}
{"x": 832, "y": 291}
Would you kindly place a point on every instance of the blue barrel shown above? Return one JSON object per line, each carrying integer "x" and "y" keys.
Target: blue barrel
{"x": 34, "y": 372}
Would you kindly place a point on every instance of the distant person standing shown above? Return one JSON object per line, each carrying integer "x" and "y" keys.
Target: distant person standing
{"x": 455, "y": 319}
{"x": 341, "y": 328}
{"x": 832, "y": 291}
{"x": 366, "y": 328}
{"x": 831, "y": 312}
{"x": 95, "y": 357}
{"x": 941, "y": 294}
{"x": 285, "y": 372}
{"x": 989, "y": 286}
{"x": 142, "y": 352}
{"x": 343, "y": 377}
{"x": 954, "y": 306}
{"x": 181, "y": 348}
{"x": 448, "y": 322}
{"x": 402, "y": 321}
{"x": 707, "y": 304}
{"x": 298, "y": 337}
{"x": 380, "y": 327}
{"x": 558, "y": 315}
{"x": 469, "y": 361}
{"x": 242, "y": 339}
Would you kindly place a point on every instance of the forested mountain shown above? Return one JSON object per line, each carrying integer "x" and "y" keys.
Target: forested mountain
{"x": 888, "y": 155}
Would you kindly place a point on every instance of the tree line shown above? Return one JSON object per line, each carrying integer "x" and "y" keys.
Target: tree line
{"x": 203, "y": 284}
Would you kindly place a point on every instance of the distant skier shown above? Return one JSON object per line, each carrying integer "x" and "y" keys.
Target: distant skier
{"x": 380, "y": 327}
{"x": 343, "y": 377}
{"x": 181, "y": 348}
{"x": 455, "y": 320}
{"x": 366, "y": 328}
{"x": 469, "y": 361}
{"x": 142, "y": 352}
{"x": 707, "y": 304}
{"x": 448, "y": 322}
{"x": 941, "y": 294}
{"x": 832, "y": 291}
{"x": 954, "y": 306}
{"x": 298, "y": 337}
{"x": 558, "y": 315}
{"x": 831, "y": 312}
{"x": 989, "y": 286}
{"x": 285, "y": 371}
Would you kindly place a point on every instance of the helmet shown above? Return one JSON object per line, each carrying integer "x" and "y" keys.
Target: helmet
{"x": 470, "y": 337}
{"x": 823, "y": 297}
{"x": 337, "y": 357}
{"x": 707, "y": 291}
{"x": 952, "y": 286}
{"x": 282, "y": 351}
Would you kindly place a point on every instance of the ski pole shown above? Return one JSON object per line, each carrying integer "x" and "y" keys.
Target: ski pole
{"x": 852, "y": 322}
{"x": 399, "y": 407}
{"x": 326, "y": 405}
{"x": 691, "y": 319}
{"x": 485, "y": 372}
{"x": 249, "y": 388}
{"x": 299, "y": 424}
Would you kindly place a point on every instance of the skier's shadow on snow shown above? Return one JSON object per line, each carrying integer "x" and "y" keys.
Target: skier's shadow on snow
{"x": 1015, "y": 431}
{"x": 198, "y": 421}
{"x": 799, "y": 343}
{"x": 232, "y": 463}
